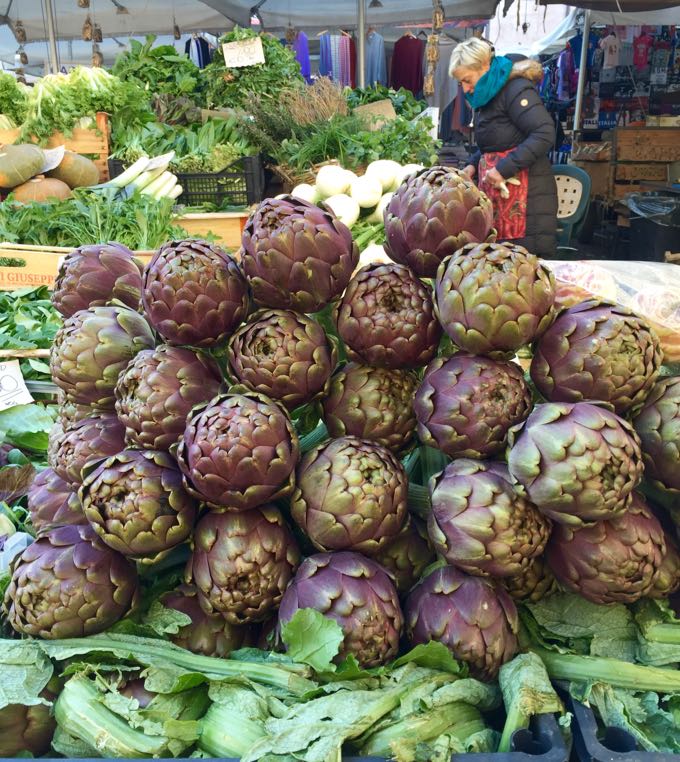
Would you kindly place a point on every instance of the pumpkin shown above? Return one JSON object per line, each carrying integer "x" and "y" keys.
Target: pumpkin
{"x": 41, "y": 189}
{"x": 76, "y": 171}
{"x": 19, "y": 163}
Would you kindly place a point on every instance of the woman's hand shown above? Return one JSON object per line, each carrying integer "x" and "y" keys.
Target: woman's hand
{"x": 494, "y": 178}
{"x": 470, "y": 171}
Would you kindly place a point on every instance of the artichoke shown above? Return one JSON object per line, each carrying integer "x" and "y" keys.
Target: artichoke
{"x": 597, "y": 351}
{"x": 242, "y": 563}
{"x": 480, "y": 524}
{"x": 52, "y": 502}
{"x": 578, "y": 462}
{"x": 136, "y": 503}
{"x": 658, "y": 426}
{"x": 68, "y": 584}
{"x": 208, "y": 634}
{"x": 476, "y": 620}
{"x": 386, "y": 318}
{"x": 667, "y": 581}
{"x": 284, "y": 355}
{"x": 535, "y": 582}
{"x": 26, "y": 730}
{"x": 372, "y": 403}
{"x": 194, "y": 293}
{"x": 238, "y": 451}
{"x": 613, "y": 561}
{"x": 92, "y": 438}
{"x": 466, "y": 405}
{"x": 359, "y": 595}
{"x": 92, "y": 276}
{"x": 92, "y": 348}
{"x": 158, "y": 390}
{"x": 407, "y": 556}
{"x": 350, "y": 494}
{"x": 297, "y": 256}
{"x": 434, "y": 213}
{"x": 69, "y": 412}
{"x": 493, "y": 299}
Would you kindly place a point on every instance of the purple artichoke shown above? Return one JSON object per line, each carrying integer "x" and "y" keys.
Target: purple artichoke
{"x": 493, "y": 299}
{"x": 92, "y": 348}
{"x": 535, "y": 582}
{"x": 158, "y": 390}
{"x": 208, "y": 634}
{"x": 480, "y": 524}
{"x": 614, "y": 561}
{"x": 658, "y": 426}
{"x": 68, "y": 584}
{"x": 136, "y": 503}
{"x": 297, "y": 256}
{"x": 386, "y": 318}
{"x": 238, "y": 451}
{"x": 597, "y": 351}
{"x": 52, "y": 503}
{"x": 282, "y": 354}
{"x": 372, "y": 403}
{"x": 434, "y": 213}
{"x": 194, "y": 293}
{"x": 476, "y": 620}
{"x": 407, "y": 556}
{"x": 359, "y": 595}
{"x": 92, "y": 276}
{"x": 69, "y": 412}
{"x": 667, "y": 580}
{"x": 578, "y": 462}
{"x": 350, "y": 494}
{"x": 242, "y": 563}
{"x": 466, "y": 405}
{"x": 92, "y": 438}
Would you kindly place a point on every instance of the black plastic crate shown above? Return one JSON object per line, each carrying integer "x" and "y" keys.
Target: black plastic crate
{"x": 241, "y": 184}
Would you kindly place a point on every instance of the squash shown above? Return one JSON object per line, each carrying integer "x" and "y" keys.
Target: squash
{"x": 76, "y": 171}
{"x": 41, "y": 189}
{"x": 19, "y": 163}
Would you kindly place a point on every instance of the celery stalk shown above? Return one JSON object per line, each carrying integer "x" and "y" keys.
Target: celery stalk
{"x": 157, "y": 184}
{"x": 176, "y": 192}
{"x": 130, "y": 174}
{"x": 226, "y": 732}
{"x": 146, "y": 178}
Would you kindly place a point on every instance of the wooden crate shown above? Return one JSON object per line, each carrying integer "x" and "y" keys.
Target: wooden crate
{"x": 91, "y": 141}
{"x": 227, "y": 227}
{"x": 655, "y": 171}
{"x": 601, "y": 177}
{"x": 644, "y": 144}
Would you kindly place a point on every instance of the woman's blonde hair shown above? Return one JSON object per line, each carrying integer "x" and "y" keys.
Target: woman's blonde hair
{"x": 471, "y": 54}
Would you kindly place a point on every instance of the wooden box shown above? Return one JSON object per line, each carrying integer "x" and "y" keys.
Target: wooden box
{"x": 644, "y": 144}
{"x": 600, "y": 177}
{"x": 225, "y": 226}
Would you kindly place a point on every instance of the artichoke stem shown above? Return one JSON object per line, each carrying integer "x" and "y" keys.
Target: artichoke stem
{"x": 514, "y": 721}
{"x": 314, "y": 438}
{"x": 419, "y": 500}
{"x": 668, "y": 634}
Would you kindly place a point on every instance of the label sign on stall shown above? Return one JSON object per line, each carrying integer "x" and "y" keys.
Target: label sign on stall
{"x": 243, "y": 53}
{"x": 13, "y": 389}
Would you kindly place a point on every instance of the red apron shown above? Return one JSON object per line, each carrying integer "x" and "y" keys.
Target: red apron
{"x": 509, "y": 214}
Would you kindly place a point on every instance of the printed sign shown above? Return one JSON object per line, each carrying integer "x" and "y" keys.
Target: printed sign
{"x": 13, "y": 389}
{"x": 243, "y": 53}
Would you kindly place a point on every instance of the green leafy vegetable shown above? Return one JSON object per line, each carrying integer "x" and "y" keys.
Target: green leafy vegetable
{"x": 403, "y": 100}
{"x": 13, "y": 99}
{"x": 312, "y": 638}
{"x": 27, "y": 426}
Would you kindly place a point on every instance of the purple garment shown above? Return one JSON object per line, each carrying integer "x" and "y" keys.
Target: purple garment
{"x": 301, "y": 47}
{"x": 565, "y": 68}
{"x": 345, "y": 62}
{"x": 325, "y": 58}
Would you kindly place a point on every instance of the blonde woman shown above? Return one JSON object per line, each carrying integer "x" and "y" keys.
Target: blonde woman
{"x": 514, "y": 134}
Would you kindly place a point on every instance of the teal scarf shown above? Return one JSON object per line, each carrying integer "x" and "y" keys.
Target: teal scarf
{"x": 489, "y": 85}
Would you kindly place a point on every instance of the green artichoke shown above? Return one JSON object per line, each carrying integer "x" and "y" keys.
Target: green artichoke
{"x": 597, "y": 351}
{"x": 282, "y": 354}
{"x": 613, "y": 561}
{"x": 407, "y": 556}
{"x": 68, "y": 584}
{"x": 297, "y": 256}
{"x": 466, "y": 405}
{"x": 350, "y": 494}
{"x": 92, "y": 276}
{"x": 480, "y": 524}
{"x": 578, "y": 462}
{"x": 92, "y": 438}
{"x": 434, "y": 213}
{"x": 372, "y": 403}
{"x": 136, "y": 503}
{"x": 658, "y": 426}
{"x": 242, "y": 563}
{"x": 158, "y": 390}
{"x": 359, "y": 595}
{"x": 238, "y": 451}
{"x": 92, "y": 348}
{"x": 194, "y": 293}
{"x": 476, "y": 620}
{"x": 386, "y": 318}
{"x": 208, "y": 634}
{"x": 493, "y": 299}
{"x": 69, "y": 412}
{"x": 52, "y": 502}
{"x": 534, "y": 583}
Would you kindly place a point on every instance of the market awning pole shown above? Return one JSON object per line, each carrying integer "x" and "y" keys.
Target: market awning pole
{"x": 52, "y": 36}
{"x": 583, "y": 65}
{"x": 361, "y": 14}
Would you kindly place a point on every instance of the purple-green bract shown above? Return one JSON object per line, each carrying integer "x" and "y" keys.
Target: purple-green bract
{"x": 52, "y": 502}
{"x": 407, "y": 556}
{"x": 534, "y": 583}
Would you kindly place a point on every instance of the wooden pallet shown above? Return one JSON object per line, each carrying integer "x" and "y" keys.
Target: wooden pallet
{"x": 645, "y": 144}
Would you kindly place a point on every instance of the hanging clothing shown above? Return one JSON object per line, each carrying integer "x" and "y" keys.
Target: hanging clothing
{"x": 565, "y": 73}
{"x": 576, "y": 44}
{"x": 301, "y": 48}
{"x": 352, "y": 62}
{"x": 445, "y": 86}
{"x": 198, "y": 51}
{"x": 345, "y": 75}
{"x": 641, "y": 48}
{"x": 407, "y": 64}
{"x": 376, "y": 65}
{"x": 325, "y": 57}
{"x": 612, "y": 48}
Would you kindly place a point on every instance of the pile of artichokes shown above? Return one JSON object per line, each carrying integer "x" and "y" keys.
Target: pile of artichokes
{"x": 367, "y": 443}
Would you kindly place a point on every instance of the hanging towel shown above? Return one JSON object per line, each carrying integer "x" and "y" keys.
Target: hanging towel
{"x": 376, "y": 66}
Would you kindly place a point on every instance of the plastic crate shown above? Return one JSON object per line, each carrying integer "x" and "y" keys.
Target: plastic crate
{"x": 241, "y": 184}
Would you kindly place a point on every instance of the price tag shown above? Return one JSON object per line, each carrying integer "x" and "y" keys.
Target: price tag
{"x": 243, "y": 53}
{"x": 13, "y": 389}
{"x": 659, "y": 75}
